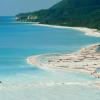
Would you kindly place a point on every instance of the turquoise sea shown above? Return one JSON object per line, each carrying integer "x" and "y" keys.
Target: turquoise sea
{"x": 21, "y": 81}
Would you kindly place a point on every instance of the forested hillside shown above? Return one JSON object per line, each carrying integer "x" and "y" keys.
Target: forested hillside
{"x": 83, "y": 13}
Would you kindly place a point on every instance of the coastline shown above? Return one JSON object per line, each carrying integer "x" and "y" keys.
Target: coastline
{"x": 86, "y": 60}
{"x": 91, "y": 63}
{"x": 87, "y": 31}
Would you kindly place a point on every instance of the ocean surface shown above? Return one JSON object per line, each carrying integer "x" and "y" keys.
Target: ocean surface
{"x": 21, "y": 81}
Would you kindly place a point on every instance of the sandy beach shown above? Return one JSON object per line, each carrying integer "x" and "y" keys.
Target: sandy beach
{"x": 87, "y": 31}
{"x": 85, "y": 60}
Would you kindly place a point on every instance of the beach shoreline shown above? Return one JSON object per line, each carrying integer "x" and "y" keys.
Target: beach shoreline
{"x": 87, "y": 56}
{"x": 86, "y": 31}
{"x": 86, "y": 60}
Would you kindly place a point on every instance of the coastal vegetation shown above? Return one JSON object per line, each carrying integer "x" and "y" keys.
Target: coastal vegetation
{"x": 80, "y": 13}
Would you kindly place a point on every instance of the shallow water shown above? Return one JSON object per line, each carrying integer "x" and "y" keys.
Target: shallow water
{"x": 23, "y": 81}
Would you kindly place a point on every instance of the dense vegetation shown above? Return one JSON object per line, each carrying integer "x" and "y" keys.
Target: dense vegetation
{"x": 85, "y": 13}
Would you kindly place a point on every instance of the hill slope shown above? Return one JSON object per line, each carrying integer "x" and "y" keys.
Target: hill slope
{"x": 85, "y": 13}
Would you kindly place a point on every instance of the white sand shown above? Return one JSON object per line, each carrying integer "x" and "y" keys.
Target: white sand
{"x": 87, "y": 31}
{"x": 86, "y": 60}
